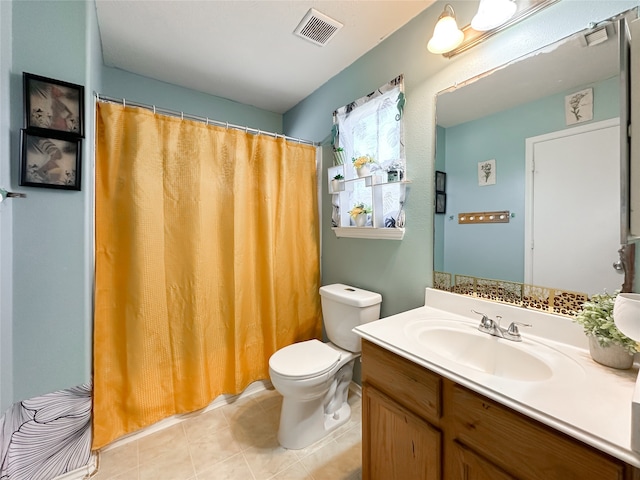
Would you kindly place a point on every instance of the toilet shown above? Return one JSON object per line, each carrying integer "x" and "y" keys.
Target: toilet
{"x": 313, "y": 377}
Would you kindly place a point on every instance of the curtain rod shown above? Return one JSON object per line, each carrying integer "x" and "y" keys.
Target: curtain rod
{"x": 173, "y": 113}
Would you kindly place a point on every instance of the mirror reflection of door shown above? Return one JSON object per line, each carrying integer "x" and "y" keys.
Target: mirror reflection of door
{"x": 573, "y": 186}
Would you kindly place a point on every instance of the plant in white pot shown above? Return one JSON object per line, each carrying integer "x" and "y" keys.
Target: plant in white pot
{"x": 335, "y": 183}
{"x": 607, "y": 344}
{"x": 359, "y": 214}
{"x": 363, "y": 164}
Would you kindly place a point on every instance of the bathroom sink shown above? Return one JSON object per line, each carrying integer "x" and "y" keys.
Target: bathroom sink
{"x": 463, "y": 344}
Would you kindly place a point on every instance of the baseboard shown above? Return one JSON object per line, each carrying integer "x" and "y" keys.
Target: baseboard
{"x": 82, "y": 473}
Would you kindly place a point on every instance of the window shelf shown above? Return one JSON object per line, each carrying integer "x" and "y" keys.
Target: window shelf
{"x": 369, "y": 232}
{"x": 370, "y": 181}
{"x": 385, "y": 200}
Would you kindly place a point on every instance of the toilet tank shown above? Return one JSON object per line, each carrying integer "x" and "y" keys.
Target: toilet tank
{"x": 344, "y": 308}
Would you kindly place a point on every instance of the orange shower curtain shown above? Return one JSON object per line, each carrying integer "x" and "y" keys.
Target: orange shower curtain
{"x": 207, "y": 262}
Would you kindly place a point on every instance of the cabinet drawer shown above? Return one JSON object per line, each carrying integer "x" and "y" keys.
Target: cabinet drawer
{"x": 412, "y": 386}
{"x": 524, "y": 447}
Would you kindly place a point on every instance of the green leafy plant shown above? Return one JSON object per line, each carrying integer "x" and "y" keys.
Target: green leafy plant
{"x": 338, "y": 177}
{"x": 338, "y": 149}
{"x": 596, "y": 318}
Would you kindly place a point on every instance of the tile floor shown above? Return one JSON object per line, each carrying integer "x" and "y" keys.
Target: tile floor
{"x": 236, "y": 442}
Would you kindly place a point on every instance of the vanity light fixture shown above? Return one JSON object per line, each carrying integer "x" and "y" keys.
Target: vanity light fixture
{"x": 446, "y": 34}
{"x": 492, "y": 17}
{"x": 492, "y": 14}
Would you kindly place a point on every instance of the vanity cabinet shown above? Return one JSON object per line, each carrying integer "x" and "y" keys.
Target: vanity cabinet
{"x": 419, "y": 425}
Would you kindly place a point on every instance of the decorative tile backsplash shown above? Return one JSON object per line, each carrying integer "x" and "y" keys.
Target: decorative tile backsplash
{"x": 546, "y": 299}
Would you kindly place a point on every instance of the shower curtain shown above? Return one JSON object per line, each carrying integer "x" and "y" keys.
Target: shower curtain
{"x": 207, "y": 262}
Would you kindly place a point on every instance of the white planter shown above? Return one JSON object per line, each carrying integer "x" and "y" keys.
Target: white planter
{"x": 363, "y": 171}
{"x": 613, "y": 356}
{"x": 338, "y": 158}
{"x": 360, "y": 220}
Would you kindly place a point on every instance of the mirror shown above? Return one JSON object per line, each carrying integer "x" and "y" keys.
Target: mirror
{"x": 539, "y": 138}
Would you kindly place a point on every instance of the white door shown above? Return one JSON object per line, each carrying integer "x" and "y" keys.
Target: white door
{"x": 572, "y": 230}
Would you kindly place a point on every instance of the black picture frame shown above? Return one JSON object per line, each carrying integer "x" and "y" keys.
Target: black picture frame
{"x": 441, "y": 202}
{"x": 53, "y": 105}
{"x": 50, "y": 160}
{"x": 441, "y": 181}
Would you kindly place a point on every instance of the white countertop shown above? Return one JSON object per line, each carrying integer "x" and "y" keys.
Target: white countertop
{"x": 586, "y": 400}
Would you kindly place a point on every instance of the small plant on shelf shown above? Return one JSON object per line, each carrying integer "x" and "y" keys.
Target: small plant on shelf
{"x": 359, "y": 209}
{"x": 362, "y": 161}
{"x": 338, "y": 155}
{"x": 338, "y": 177}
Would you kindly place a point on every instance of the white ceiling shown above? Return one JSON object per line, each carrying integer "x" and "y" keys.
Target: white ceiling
{"x": 243, "y": 50}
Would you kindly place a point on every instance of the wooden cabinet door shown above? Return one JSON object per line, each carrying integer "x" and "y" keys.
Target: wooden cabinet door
{"x": 465, "y": 464}
{"x": 396, "y": 443}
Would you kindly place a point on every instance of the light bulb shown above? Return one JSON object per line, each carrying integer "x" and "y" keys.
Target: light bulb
{"x": 446, "y": 34}
{"x": 492, "y": 14}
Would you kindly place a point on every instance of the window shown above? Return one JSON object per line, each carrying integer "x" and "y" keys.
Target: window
{"x": 372, "y": 126}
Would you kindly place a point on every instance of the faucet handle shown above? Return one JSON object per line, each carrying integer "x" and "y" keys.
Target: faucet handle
{"x": 487, "y": 325}
{"x": 513, "y": 328}
{"x": 484, "y": 321}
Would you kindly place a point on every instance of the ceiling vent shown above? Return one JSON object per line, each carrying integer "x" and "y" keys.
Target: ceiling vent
{"x": 317, "y": 27}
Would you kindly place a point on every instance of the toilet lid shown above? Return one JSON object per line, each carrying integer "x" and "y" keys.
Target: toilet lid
{"x": 304, "y": 359}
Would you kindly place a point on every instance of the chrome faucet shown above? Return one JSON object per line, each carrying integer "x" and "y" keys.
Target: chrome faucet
{"x": 492, "y": 327}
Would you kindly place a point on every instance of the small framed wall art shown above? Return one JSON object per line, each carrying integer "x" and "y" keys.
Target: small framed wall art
{"x": 441, "y": 181}
{"x": 50, "y": 160}
{"x": 53, "y": 105}
{"x": 441, "y": 202}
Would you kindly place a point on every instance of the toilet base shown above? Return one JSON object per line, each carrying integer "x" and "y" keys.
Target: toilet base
{"x": 305, "y": 422}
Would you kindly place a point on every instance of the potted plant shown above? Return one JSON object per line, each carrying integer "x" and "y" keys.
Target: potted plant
{"x": 338, "y": 156}
{"x": 362, "y": 165}
{"x": 607, "y": 345}
{"x": 359, "y": 214}
{"x": 335, "y": 183}
{"x": 395, "y": 172}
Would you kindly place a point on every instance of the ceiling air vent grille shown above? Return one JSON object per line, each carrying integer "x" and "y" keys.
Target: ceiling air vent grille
{"x": 317, "y": 27}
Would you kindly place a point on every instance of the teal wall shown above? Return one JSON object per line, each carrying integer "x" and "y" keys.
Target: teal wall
{"x": 121, "y": 84}
{"x": 52, "y": 300}
{"x": 400, "y": 270}
{"x": 497, "y": 250}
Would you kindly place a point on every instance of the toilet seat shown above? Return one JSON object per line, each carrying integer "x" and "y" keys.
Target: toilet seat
{"x": 304, "y": 359}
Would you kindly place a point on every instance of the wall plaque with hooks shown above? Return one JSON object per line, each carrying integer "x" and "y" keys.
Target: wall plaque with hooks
{"x": 501, "y": 216}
